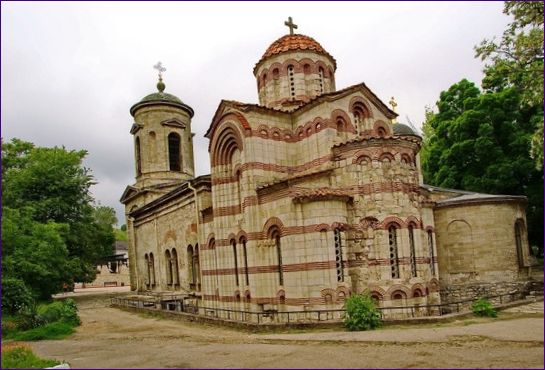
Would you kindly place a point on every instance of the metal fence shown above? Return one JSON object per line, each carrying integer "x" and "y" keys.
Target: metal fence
{"x": 190, "y": 305}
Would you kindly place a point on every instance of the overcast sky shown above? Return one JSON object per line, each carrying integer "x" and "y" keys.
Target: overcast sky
{"x": 71, "y": 71}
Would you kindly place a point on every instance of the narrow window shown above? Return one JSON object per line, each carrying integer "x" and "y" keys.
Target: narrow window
{"x": 518, "y": 241}
{"x": 169, "y": 267}
{"x": 412, "y": 251}
{"x": 197, "y": 268}
{"x": 245, "y": 253}
{"x": 191, "y": 267}
{"x": 432, "y": 255}
{"x": 291, "y": 80}
{"x": 321, "y": 79}
{"x": 239, "y": 188}
{"x": 234, "y": 244}
{"x": 175, "y": 267}
{"x": 138, "y": 157}
{"x": 152, "y": 269}
{"x": 174, "y": 151}
{"x": 276, "y": 238}
{"x": 148, "y": 276}
{"x": 338, "y": 254}
{"x": 392, "y": 241}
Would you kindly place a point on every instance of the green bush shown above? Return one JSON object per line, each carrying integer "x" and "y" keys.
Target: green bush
{"x": 19, "y": 356}
{"x": 483, "y": 307}
{"x": 65, "y": 310}
{"x": 15, "y": 296}
{"x": 28, "y": 318}
{"x": 56, "y": 330}
{"x": 361, "y": 313}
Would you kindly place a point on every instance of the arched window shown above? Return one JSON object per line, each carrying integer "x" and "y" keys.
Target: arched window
{"x": 138, "y": 157}
{"x": 432, "y": 253}
{"x": 291, "y": 80}
{"x": 337, "y": 234}
{"x": 341, "y": 127}
{"x": 152, "y": 269}
{"x": 392, "y": 241}
{"x": 245, "y": 255}
{"x": 321, "y": 79}
{"x": 518, "y": 241}
{"x": 381, "y": 132}
{"x": 174, "y": 151}
{"x": 360, "y": 113}
{"x": 168, "y": 260}
{"x": 306, "y": 69}
{"x": 276, "y": 73}
{"x": 398, "y": 295}
{"x": 412, "y": 250}
{"x": 175, "y": 268}
{"x": 197, "y": 268}
{"x": 190, "y": 267}
{"x": 275, "y": 235}
{"x": 148, "y": 268}
{"x": 235, "y": 259}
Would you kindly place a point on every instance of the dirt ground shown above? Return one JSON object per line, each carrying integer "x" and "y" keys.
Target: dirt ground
{"x": 112, "y": 338}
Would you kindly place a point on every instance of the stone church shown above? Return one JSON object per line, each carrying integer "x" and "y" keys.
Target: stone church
{"x": 315, "y": 193}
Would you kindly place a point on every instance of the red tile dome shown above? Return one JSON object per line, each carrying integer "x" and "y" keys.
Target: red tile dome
{"x": 292, "y": 43}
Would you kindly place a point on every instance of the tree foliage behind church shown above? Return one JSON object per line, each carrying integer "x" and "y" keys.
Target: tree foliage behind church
{"x": 516, "y": 61}
{"x": 481, "y": 142}
{"x": 51, "y": 233}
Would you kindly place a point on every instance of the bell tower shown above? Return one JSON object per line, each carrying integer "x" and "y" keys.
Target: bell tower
{"x": 163, "y": 141}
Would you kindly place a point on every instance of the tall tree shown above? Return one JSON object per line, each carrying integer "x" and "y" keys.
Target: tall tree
{"x": 480, "y": 142}
{"x": 46, "y": 191}
{"x": 516, "y": 61}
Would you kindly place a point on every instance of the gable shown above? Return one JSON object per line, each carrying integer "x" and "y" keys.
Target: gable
{"x": 129, "y": 193}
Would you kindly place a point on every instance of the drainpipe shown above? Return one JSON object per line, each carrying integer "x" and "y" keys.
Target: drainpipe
{"x": 197, "y": 220}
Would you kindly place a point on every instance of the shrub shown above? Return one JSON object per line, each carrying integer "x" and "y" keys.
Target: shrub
{"x": 28, "y": 318}
{"x": 361, "y": 313}
{"x": 16, "y": 355}
{"x": 483, "y": 307}
{"x": 65, "y": 310}
{"x": 15, "y": 296}
{"x": 56, "y": 330}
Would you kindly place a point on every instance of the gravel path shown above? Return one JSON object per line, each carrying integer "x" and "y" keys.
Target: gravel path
{"x": 112, "y": 338}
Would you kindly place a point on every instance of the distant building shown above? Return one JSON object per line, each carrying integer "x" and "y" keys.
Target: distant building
{"x": 112, "y": 270}
{"x": 314, "y": 194}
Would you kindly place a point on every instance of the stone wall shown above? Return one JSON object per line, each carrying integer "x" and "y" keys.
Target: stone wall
{"x": 477, "y": 249}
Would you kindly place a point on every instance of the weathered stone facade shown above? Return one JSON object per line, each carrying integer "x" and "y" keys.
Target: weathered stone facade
{"x": 314, "y": 194}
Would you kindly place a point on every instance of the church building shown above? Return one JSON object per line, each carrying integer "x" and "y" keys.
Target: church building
{"x": 315, "y": 193}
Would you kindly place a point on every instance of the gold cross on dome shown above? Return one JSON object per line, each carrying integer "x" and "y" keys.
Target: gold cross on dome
{"x": 393, "y": 103}
{"x": 291, "y": 25}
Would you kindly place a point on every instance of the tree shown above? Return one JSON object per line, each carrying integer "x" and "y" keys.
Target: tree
{"x": 49, "y": 221}
{"x": 480, "y": 142}
{"x": 517, "y": 62}
{"x": 34, "y": 252}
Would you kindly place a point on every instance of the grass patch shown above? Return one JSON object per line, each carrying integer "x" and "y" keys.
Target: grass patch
{"x": 55, "y": 330}
{"x": 17, "y": 356}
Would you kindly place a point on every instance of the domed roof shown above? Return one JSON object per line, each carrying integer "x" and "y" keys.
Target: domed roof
{"x": 402, "y": 129}
{"x": 295, "y": 42}
{"x": 162, "y": 98}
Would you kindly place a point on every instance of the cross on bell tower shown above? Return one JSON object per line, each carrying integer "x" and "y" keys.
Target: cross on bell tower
{"x": 159, "y": 67}
{"x": 291, "y": 25}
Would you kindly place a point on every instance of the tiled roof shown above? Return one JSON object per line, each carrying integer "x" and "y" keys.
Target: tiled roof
{"x": 319, "y": 193}
{"x": 295, "y": 42}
